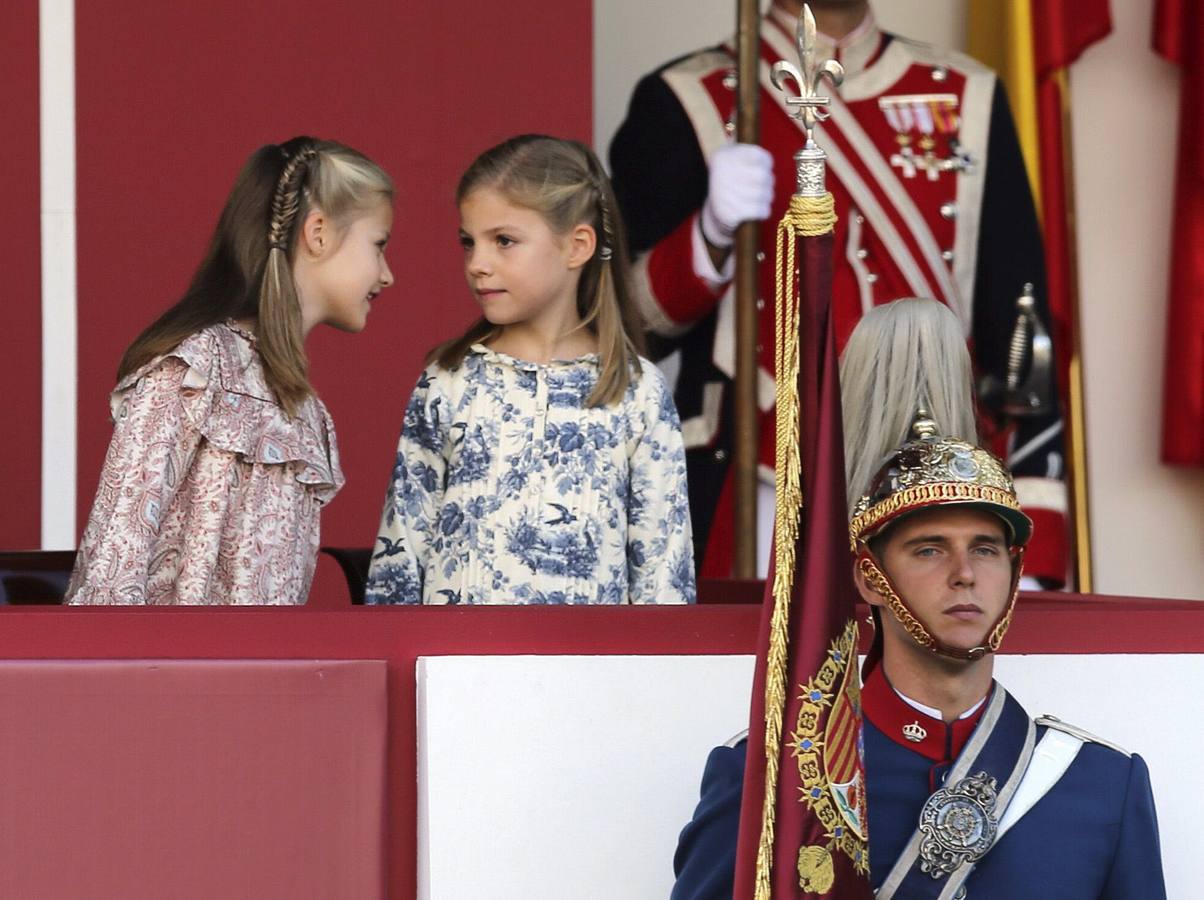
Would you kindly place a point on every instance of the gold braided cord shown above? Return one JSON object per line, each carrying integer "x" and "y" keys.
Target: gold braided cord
{"x": 802, "y": 219}
{"x": 927, "y": 495}
{"x": 812, "y": 216}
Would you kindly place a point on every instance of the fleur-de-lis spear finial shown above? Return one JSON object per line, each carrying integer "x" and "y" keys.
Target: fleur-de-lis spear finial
{"x": 808, "y": 105}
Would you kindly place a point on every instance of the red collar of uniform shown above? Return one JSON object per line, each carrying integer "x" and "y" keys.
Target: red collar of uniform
{"x": 910, "y": 728}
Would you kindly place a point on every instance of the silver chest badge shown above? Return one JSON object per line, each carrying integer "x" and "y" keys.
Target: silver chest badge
{"x": 958, "y": 825}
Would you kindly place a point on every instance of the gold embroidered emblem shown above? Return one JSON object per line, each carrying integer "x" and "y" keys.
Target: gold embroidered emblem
{"x": 816, "y": 873}
{"x": 827, "y": 748}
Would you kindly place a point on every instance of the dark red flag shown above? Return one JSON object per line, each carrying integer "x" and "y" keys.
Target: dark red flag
{"x": 819, "y": 841}
{"x": 1061, "y": 31}
{"x": 1179, "y": 36}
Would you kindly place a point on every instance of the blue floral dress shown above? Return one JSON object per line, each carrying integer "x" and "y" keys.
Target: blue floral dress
{"x": 508, "y": 489}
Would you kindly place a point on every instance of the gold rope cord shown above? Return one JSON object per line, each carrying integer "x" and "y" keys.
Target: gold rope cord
{"x": 806, "y": 217}
{"x": 813, "y": 216}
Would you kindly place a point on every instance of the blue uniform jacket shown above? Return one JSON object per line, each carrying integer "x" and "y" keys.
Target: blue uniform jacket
{"x": 1093, "y": 836}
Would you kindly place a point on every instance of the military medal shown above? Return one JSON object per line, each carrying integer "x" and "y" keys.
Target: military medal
{"x": 929, "y": 115}
{"x": 899, "y": 117}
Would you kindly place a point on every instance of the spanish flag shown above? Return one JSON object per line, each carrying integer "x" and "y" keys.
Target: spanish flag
{"x": 1030, "y": 43}
{"x": 1179, "y": 37}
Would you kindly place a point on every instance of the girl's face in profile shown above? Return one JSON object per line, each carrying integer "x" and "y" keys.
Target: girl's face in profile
{"x": 351, "y": 270}
{"x": 518, "y": 269}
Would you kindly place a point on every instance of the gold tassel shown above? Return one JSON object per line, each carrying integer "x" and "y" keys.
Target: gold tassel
{"x": 806, "y": 217}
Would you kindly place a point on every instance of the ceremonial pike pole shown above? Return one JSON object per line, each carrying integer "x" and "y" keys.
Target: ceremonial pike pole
{"x": 803, "y": 815}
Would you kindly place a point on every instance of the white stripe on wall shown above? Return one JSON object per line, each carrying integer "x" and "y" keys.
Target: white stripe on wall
{"x": 56, "y": 39}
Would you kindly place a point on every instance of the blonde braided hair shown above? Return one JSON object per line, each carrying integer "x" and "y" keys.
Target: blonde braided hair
{"x": 280, "y": 332}
{"x": 286, "y": 198}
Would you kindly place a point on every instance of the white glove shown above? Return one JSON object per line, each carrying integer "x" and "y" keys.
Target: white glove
{"x": 740, "y": 189}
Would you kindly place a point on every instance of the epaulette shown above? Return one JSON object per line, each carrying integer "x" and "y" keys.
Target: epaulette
{"x": 736, "y": 738}
{"x": 1056, "y": 723}
{"x": 710, "y": 52}
{"x": 698, "y": 64}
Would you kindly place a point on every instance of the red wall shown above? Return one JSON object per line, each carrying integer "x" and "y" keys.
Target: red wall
{"x": 20, "y": 265}
{"x": 173, "y": 97}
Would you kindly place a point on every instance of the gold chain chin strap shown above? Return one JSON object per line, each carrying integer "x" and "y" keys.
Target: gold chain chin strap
{"x": 997, "y": 633}
{"x": 881, "y": 586}
{"x": 806, "y": 217}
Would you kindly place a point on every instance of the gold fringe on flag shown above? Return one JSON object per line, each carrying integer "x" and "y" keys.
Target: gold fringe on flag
{"x": 806, "y": 217}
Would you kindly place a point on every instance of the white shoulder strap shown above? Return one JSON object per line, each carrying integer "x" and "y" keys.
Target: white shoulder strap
{"x": 1051, "y": 758}
{"x": 736, "y": 738}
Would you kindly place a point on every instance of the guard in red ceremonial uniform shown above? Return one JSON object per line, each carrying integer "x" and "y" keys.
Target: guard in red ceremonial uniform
{"x": 967, "y": 796}
{"x": 931, "y": 198}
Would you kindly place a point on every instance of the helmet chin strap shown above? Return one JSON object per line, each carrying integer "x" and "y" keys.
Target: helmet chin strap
{"x": 871, "y": 569}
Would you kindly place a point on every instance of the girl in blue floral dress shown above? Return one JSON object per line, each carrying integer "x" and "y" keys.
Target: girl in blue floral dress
{"x": 541, "y": 457}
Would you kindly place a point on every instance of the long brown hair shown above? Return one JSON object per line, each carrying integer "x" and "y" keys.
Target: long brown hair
{"x": 564, "y": 183}
{"x": 247, "y": 270}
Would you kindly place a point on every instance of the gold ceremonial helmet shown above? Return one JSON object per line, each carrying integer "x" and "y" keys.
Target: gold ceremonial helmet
{"x": 927, "y": 472}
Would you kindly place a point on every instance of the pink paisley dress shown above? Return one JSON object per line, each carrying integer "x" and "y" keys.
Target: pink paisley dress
{"x": 210, "y": 493}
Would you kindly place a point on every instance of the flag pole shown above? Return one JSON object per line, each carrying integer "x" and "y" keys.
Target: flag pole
{"x": 748, "y": 38}
{"x": 1076, "y": 414}
{"x": 802, "y": 819}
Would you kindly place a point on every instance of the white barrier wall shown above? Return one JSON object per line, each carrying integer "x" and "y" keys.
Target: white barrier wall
{"x": 562, "y": 776}
{"x": 546, "y": 777}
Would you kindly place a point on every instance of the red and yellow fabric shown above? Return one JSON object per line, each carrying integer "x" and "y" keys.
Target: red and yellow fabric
{"x": 1031, "y": 45}
{"x": 1179, "y": 37}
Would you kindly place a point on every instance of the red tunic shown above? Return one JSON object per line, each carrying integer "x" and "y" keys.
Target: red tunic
{"x": 953, "y": 221}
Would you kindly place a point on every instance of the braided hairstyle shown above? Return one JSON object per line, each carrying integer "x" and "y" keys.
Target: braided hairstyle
{"x": 281, "y": 343}
{"x": 564, "y": 183}
{"x": 247, "y": 271}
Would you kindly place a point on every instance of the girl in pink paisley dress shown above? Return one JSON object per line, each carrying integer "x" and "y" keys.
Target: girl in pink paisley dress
{"x": 222, "y": 455}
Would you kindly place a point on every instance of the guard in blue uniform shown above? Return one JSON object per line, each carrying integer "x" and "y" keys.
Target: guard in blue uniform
{"x": 968, "y": 796}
